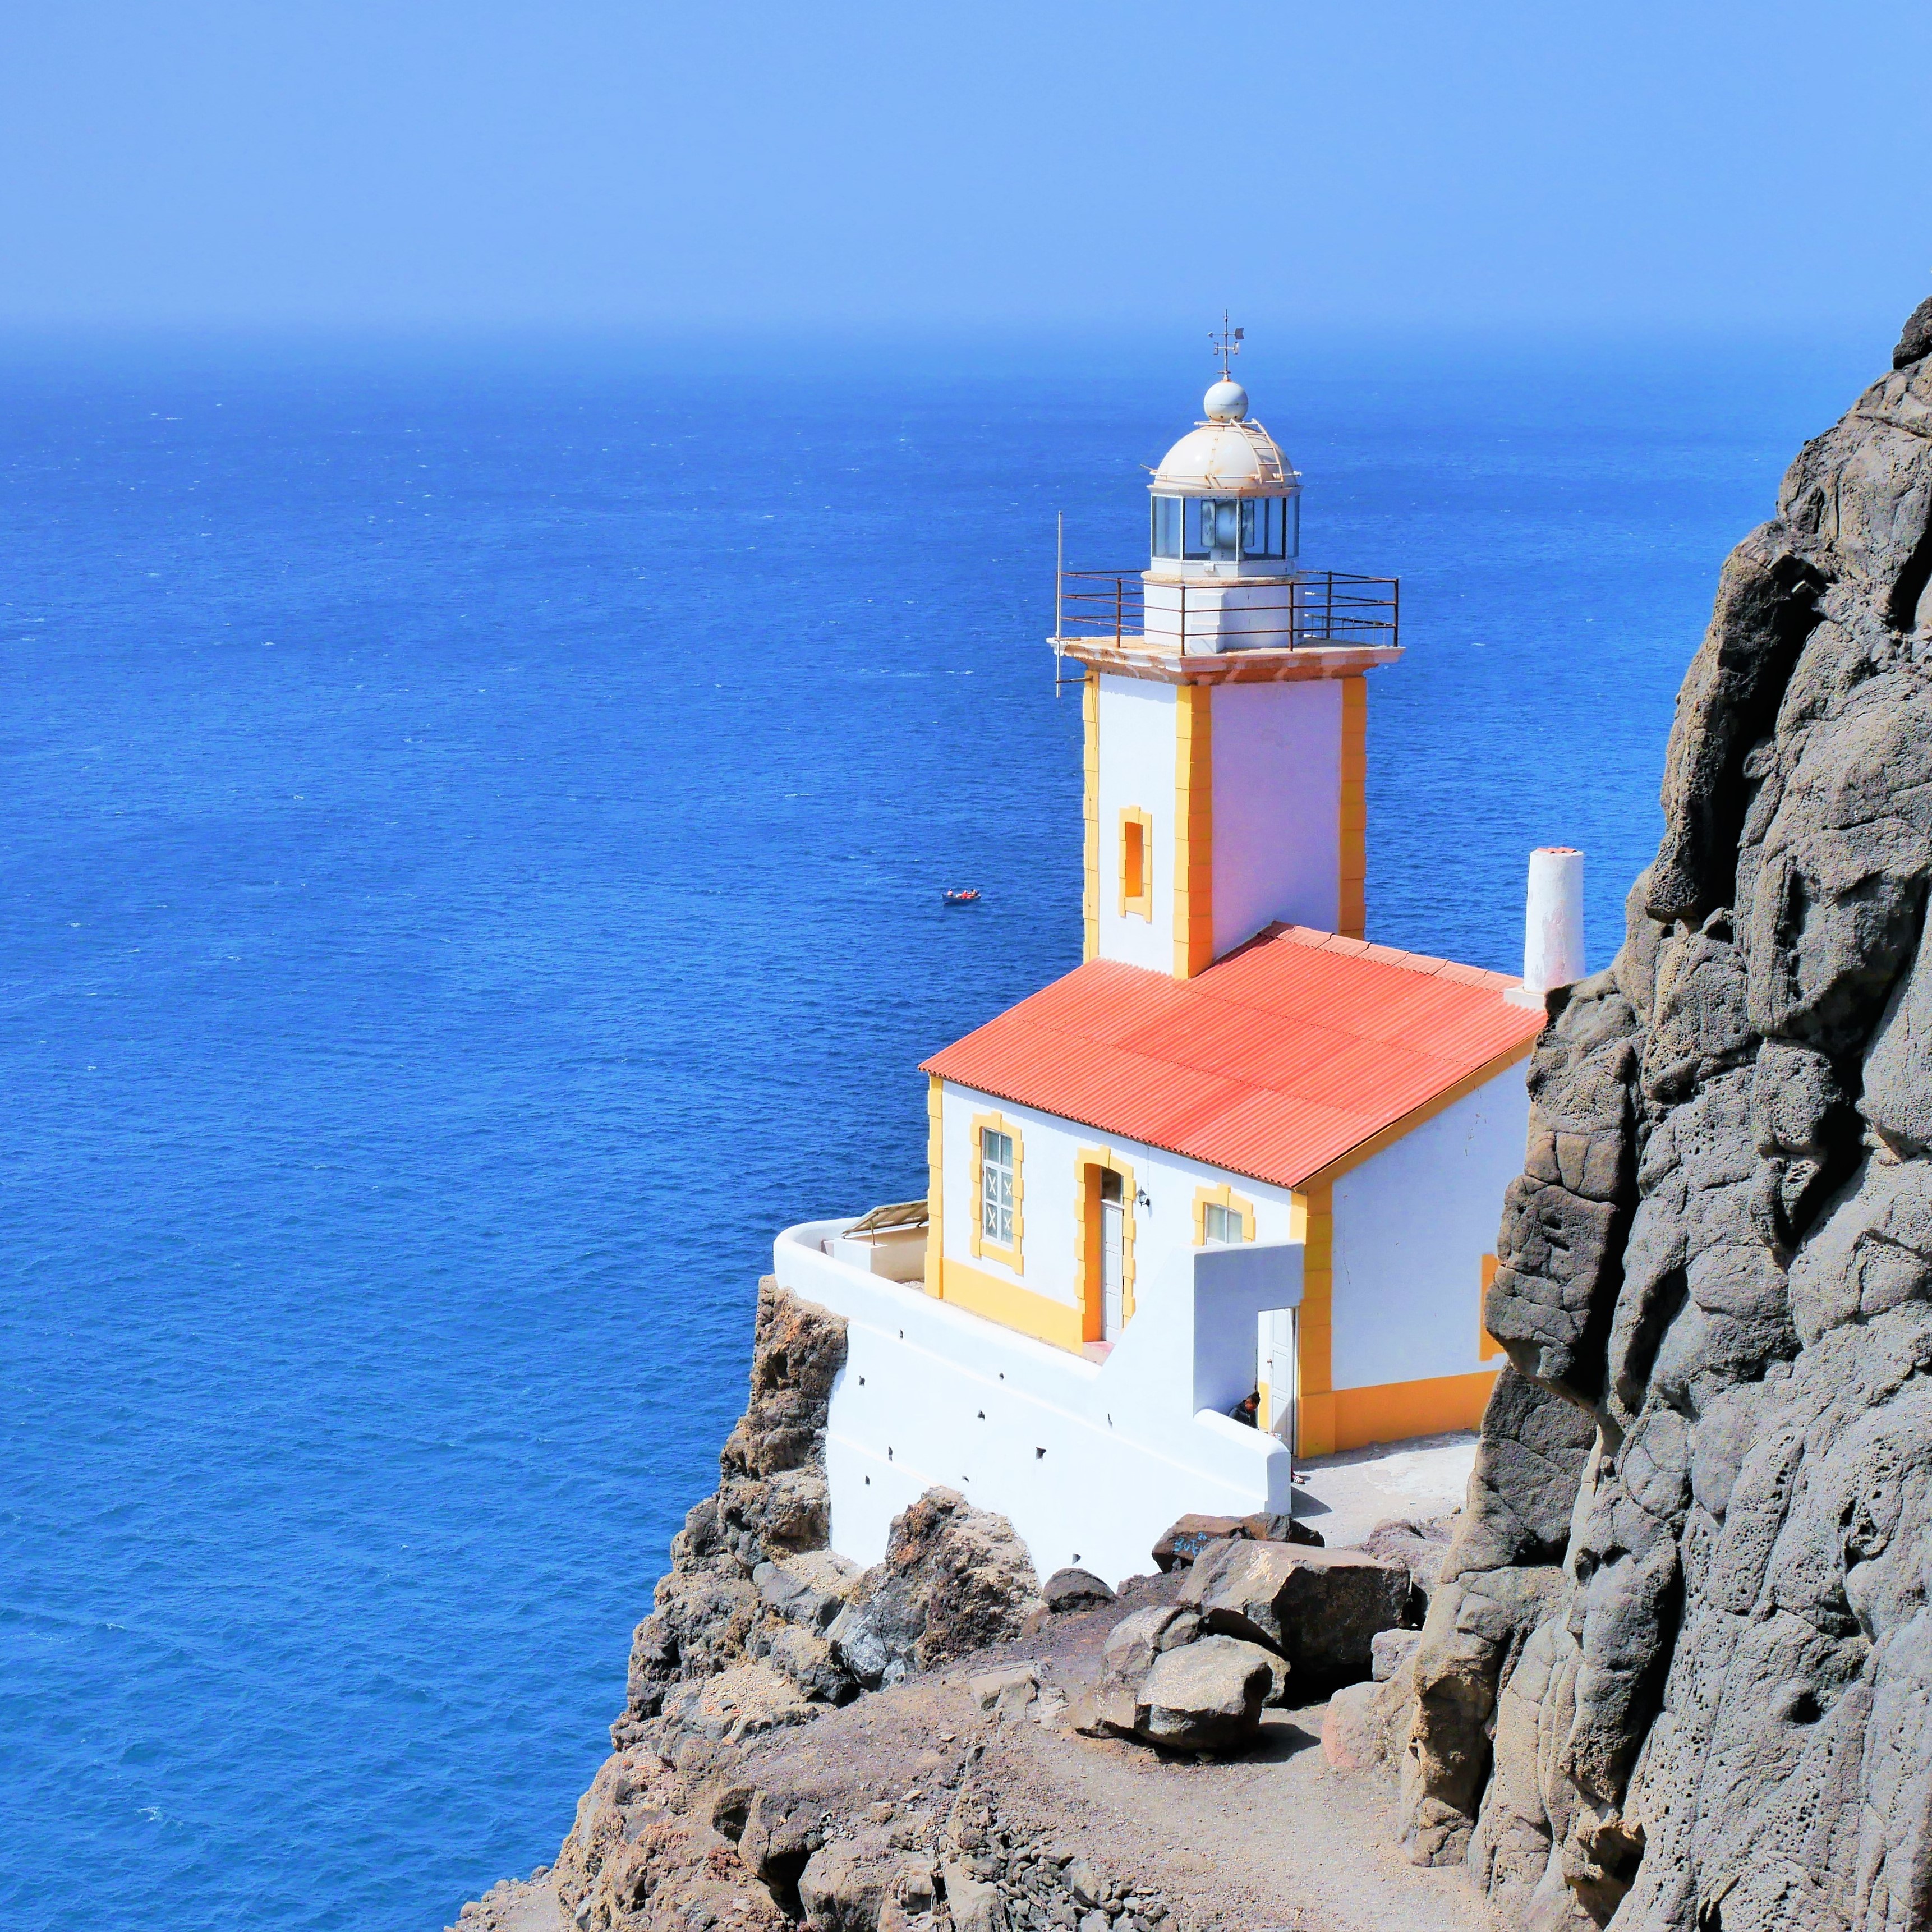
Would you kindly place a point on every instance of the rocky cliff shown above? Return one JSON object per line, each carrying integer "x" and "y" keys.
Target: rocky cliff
{"x": 1677, "y": 1677}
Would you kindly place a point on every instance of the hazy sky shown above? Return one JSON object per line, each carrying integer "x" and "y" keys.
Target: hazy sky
{"x": 1399, "y": 163}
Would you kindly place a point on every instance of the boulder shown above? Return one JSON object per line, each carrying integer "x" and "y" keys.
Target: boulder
{"x": 1320, "y": 1608}
{"x": 1354, "y": 1728}
{"x": 1184, "y": 1540}
{"x": 975, "y": 1905}
{"x": 851, "y": 1884}
{"x": 1421, "y": 1547}
{"x": 807, "y": 1661}
{"x": 1006, "y": 1692}
{"x": 743, "y": 1702}
{"x": 1206, "y": 1695}
{"x": 954, "y": 1579}
{"x": 1136, "y": 1641}
{"x": 808, "y": 1588}
{"x": 1389, "y": 1650}
{"x": 1075, "y": 1590}
{"x": 1104, "y": 1710}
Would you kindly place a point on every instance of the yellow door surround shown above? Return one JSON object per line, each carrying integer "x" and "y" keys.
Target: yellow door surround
{"x": 1089, "y": 1164}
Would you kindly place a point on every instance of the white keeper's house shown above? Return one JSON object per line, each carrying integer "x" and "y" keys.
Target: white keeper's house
{"x": 1238, "y": 1150}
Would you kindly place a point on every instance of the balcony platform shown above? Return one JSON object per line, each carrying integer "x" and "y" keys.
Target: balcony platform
{"x": 1089, "y": 1461}
{"x": 1156, "y": 658}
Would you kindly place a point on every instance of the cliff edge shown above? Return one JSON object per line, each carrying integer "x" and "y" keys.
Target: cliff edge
{"x": 1678, "y": 1678}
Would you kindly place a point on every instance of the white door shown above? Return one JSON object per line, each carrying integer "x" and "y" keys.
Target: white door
{"x": 1113, "y": 1210}
{"x": 1279, "y": 1364}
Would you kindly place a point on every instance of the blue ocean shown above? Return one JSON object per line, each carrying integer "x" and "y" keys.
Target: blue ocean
{"x": 474, "y": 824}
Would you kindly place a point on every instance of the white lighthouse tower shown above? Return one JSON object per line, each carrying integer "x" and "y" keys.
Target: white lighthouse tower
{"x": 1226, "y": 709}
{"x": 1238, "y": 1166}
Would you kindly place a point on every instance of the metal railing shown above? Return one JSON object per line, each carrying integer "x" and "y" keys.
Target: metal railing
{"x": 1320, "y": 607}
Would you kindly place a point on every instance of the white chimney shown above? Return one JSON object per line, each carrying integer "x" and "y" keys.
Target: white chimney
{"x": 1553, "y": 930}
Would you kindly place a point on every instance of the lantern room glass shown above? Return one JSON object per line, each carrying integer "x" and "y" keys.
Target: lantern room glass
{"x": 1225, "y": 529}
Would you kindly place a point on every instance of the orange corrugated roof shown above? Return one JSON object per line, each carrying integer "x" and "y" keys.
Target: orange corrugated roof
{"x": 1275, "y": 1063}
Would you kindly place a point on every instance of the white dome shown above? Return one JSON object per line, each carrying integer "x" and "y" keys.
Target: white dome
{"x": 1226, "y": 458}
{"x": 1227, "y": 400}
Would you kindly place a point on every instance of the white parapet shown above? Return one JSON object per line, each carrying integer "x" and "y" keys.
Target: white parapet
{"x": 1552, "y": 931}
{"x": 1228, "y": 613}
{"x": 1089, "y": 1461}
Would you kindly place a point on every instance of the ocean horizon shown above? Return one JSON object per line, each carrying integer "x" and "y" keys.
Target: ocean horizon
{"x": 476, "y": 815}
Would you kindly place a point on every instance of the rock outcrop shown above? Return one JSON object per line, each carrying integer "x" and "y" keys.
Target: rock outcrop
{"x": 758, "y": 1628}
{"x": 757, "y": 1625}
{"x": 1675, "y": 1671}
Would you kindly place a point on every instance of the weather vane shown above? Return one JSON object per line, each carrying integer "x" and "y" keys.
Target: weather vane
{"x": 1227, "y": 343}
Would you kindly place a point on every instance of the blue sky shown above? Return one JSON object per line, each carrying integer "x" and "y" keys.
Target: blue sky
{"x": 1046, "y": 163}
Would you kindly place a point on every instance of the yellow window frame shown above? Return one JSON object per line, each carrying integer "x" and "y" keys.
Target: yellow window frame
{"x": 983, "y": 1249}
{"x": 1221, "y": 1196}
{"x": 1140, "y": 902}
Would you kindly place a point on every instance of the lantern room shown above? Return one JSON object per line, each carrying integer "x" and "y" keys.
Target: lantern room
{"x": 1224, "y": 501}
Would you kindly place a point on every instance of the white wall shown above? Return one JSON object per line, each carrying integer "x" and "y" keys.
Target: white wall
{"x": 1050, "y": 1206}
{"x": 1277, "y": 807}
{"x": 1411, "y": 1227}
{"x": 1089, "y": 1462}
{"x": 1137, "y": 769}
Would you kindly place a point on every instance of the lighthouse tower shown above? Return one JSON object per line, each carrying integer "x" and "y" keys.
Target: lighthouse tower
{"x": 1226, "y": 710}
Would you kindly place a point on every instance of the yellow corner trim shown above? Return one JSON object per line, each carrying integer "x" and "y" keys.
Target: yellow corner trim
{"x": 1136, "y": 843}
{"x": 1312, "y": 1221}
{"x": 983, "y": 1249}
{"x": 1089, "y": 1164}
{"x": 935, "y": 1177}
{"x": 1089, "y": 897}
{"x": 1221, "y": 1196}
{"x": 1488, "y": 1348}
{"x": 1058, "y": 1322}
{"x": 1193, "y": 830}
{"x": 1351, "y": 909}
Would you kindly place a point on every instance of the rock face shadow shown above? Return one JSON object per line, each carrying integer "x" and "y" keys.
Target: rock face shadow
{"x": 1678, "y": 1669}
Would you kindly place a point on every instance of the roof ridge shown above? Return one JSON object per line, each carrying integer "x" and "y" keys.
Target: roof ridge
{"x": 1426, "y": 963}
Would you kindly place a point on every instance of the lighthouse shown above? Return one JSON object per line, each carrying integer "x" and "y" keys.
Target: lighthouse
{"x": 1226, "y": 710}
{"x": 1239, "y": 1167}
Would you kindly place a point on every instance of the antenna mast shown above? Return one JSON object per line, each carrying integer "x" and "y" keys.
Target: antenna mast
{"x": 1227, "y": 342}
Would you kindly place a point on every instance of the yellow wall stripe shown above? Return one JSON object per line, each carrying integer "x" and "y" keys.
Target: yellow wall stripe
{"x": 1351, "y": 910}
{"x": 1193, "y": 830}
{"x": 1312, "y": 1222}
{"x": 1012, "y": 1307}
{"x": 1089, "y": 897}
{"x": 935, "y": 1179}
{"x": 1394, "y": 1411}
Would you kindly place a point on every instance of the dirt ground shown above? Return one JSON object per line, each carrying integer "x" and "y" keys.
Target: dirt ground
{"x": 1273, "y": 1838}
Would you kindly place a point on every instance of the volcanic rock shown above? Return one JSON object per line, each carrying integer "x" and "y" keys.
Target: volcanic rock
{"x": 1677, "y": 1666}
{"x": 1204, "y": 1696}
{"x": 1317, "y": 1608}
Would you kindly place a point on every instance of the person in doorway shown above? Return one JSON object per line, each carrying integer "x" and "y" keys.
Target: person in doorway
{"x": 1249, "y": 1409}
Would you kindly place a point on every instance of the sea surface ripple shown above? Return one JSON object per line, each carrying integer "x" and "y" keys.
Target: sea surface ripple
{"x": 472, "y": 843}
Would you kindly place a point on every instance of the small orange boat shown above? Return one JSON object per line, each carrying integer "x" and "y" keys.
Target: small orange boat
{"x": 962, "y": 895}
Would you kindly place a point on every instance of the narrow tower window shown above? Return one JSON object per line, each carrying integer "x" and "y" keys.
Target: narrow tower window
{"x": 1136, "y": 862}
